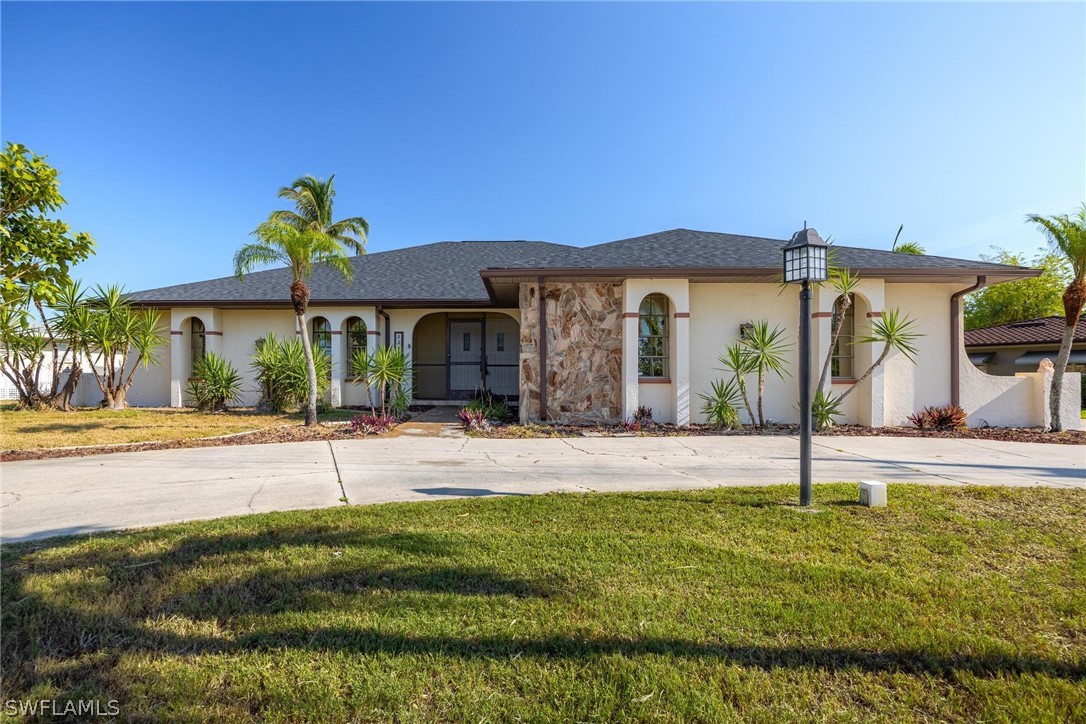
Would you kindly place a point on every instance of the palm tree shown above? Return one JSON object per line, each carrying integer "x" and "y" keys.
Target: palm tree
{"x": 313, "y": 200}
{"x": 906, "y": 247}
{"x": 299, "y": 249}
{"x": 1067, "y": 235}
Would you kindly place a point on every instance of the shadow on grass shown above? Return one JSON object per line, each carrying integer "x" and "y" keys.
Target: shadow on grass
{"x": 96, "y": 640}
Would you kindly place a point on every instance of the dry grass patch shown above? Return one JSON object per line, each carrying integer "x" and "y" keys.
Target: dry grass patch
{"x": 29, "y": 430}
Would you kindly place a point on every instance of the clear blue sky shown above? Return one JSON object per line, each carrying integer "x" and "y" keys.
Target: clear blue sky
{"x": 175, "y": 124}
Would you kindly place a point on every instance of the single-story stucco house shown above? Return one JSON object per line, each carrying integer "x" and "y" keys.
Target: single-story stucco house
{"x": 639, "y": 321}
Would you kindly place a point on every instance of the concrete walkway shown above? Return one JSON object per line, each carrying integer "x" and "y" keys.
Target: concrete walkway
{"x": 77, "y": 495}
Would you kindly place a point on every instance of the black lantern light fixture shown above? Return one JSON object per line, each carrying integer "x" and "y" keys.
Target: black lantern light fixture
{"x": 806, "y": 260}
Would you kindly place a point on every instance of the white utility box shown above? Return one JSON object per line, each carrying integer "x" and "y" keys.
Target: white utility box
{"x": 872, "y": 493}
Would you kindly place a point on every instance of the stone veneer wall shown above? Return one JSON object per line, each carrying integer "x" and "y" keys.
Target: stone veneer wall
{"x": 584, "y": 352}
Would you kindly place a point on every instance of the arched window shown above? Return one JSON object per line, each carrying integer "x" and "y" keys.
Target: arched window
{"x": 652, "y": 337}
{"x": 843, "y": 364}
{"x": 322, "y": 335}
{"x": 198, "y": 340}
{"x": 356, "y": 339}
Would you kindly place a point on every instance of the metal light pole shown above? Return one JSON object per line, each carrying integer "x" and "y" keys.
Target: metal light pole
{"x": 805, "y": 261}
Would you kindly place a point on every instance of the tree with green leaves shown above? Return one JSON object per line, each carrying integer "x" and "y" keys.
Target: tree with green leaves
{"x": 314, "y": 201}
{"x": 1024, "y": 299}
{"x": 112, "y": 332}
{"x": 1067, "y": 236}
{"x": 300, "y": 250}
{"x": 38, "y": 251}
{"x": 36, "y": 256}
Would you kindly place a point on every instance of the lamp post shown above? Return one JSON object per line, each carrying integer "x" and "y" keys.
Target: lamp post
{"x": 805, "y": 261}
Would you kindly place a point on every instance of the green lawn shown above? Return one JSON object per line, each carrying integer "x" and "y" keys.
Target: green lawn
{"x": 33, "y": 429}
{"x": 952, "y": 604}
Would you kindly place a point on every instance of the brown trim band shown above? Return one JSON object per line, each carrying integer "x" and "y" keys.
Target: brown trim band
{"x": 874, "y": 314}
{"x": 821, "y": 315}
{"x": 950, "y": 273}
{"x": 213, "y": 334}
{"x": 654, "y": 380}
{"x": 630, "y": 315}
{"x": 374, "y": 331}
{"x": 336, "y": 331}
{"x": 682, "y": 315}
{"x": 174, "y": 331}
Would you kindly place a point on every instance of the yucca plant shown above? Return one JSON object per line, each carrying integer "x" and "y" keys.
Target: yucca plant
{"x": 385, "y": 368}
{"x": 737, "y": 360}
{"x": 896, "y": 333}
{"x": 766, "y": 350}
{"x": 720, "y": 405}
{"x": 843, "y": 282}
{"x": 116, "y": 333}
{"x": 215, "y": 383}
{"x": 824, "y": 409}
{"x": 281, "y": 368}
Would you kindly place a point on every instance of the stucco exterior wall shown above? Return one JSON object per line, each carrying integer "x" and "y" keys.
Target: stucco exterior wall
{"x": 584, "y": 352}
{"x": 911, "y": 386}
{"x": 716, "y": 312}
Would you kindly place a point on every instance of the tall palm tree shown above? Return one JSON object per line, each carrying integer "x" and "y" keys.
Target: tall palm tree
{"x": 299, "y": 250}
{"x": 906, "y": 247}
{"x": 313, "y": 200}
{"x": 1067, "y": 235}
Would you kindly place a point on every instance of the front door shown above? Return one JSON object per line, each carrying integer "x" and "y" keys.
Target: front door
{"x": 465, "y": 358}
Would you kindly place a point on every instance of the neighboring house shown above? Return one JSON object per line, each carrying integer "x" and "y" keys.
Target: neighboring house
{"x": 1006, "y": 349}
{"x": 640, "y": 321}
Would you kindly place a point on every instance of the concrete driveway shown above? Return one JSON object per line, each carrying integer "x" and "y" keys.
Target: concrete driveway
{"x": 76, "y": 495}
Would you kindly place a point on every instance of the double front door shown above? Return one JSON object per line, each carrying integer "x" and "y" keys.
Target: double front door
{"x": 483, "y": 354}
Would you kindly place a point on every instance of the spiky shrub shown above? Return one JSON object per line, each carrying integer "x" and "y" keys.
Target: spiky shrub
{"x": 215, "y": 383}
{"x": 631, "y": 425}
{"x": 281, "y": 371}
{"x": 387, "y": 370}
{"x": 372, "y": 424}
{"x": 721, "y": 404}
{"x": 940, "y": 417}
{"x": 643, "y": 416}
{"x": 824, "y": 409}
{"x": 919, "y": 419}
{"x": 495, "y": 409}
{"x": 473, "y": 419}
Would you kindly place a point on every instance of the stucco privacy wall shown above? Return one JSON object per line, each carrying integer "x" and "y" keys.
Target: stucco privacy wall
{"x": 584, "y": 351}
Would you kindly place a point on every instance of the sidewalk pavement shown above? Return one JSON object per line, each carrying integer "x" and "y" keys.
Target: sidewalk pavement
{"x": 66, "y": 496}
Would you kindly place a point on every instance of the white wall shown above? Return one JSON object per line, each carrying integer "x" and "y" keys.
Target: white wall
{"x": 716, "y": 311}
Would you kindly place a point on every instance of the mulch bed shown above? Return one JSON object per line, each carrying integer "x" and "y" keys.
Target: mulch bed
{"x": 1005, "y": 434}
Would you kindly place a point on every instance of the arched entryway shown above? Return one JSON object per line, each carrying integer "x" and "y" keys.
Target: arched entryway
{"x": 455, "y": 356}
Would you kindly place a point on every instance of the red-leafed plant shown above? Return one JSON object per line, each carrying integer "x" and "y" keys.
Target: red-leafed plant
{"x": 939, "y": 417}
{"x": 473, "y": 419}
{"x": 372, "y": 424}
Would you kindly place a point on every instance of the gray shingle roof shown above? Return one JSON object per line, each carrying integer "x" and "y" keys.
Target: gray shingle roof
{"x": 686, "y": 248}
{"x": 444, "y": 271}
{"x": 448, "y": 271}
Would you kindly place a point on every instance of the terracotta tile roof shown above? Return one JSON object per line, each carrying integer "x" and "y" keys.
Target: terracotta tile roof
{"x": 1046, "y": 330}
